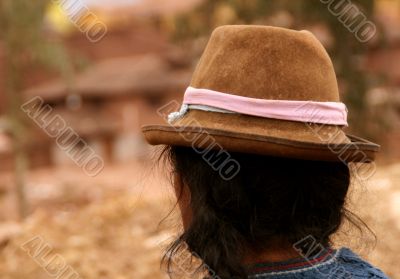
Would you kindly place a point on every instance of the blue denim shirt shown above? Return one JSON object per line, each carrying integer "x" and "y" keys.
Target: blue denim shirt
{"x": 340, "y": 264}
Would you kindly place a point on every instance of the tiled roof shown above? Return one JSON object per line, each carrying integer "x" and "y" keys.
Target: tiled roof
{"x": 145, "y": 74}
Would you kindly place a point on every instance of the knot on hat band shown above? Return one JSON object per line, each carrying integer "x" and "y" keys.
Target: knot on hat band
{"x": 330, "y": 113}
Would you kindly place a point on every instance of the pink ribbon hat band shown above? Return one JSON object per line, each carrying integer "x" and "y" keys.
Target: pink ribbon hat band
{"x": 331, "y": 113}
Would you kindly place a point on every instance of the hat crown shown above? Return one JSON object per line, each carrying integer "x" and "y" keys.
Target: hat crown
{"x": 267, "y": 63}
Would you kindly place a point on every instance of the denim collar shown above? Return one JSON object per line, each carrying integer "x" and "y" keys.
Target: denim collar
{"x": 293, "y": 264}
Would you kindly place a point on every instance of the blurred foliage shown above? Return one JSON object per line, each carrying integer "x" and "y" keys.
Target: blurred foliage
{"x": 22, "y": 29}
{"x": 25, "y": 44}
{"x": 346, "y": 51}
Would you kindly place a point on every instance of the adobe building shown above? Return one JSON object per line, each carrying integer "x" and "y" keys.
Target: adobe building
{"x": 110, "y": 101}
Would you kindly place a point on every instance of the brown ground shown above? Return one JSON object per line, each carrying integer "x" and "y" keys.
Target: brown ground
{"x": 108, "y": 226}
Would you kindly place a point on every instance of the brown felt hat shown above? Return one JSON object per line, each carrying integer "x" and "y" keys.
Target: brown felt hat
{"x": 268, "y": 63}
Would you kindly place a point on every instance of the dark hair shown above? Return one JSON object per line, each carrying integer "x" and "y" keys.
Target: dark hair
{"x": 270, "y": 198}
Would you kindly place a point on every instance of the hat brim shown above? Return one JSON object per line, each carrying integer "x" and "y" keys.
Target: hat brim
{"x": 255, "y": 135}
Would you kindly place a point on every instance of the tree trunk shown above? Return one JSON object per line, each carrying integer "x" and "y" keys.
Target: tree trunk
{"x": 17, "y": 130}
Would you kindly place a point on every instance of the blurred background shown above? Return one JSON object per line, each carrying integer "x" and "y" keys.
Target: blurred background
{"x": 105, "y": 67}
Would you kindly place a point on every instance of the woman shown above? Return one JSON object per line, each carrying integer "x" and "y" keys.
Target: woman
{"x": 260, "y": 159}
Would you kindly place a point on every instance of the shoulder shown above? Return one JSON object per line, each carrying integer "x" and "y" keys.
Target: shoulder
{"x": 342, "y": 264}
{"x": 356, "y": 267}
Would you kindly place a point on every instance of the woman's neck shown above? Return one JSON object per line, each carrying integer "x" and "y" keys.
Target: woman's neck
{"x": 276, "y": 252}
